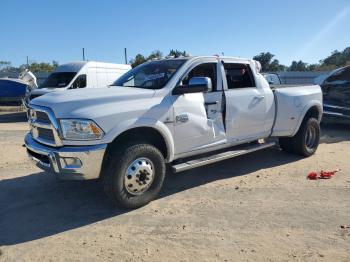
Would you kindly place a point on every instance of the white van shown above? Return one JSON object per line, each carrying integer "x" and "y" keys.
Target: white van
{"x": 79, "y": 74}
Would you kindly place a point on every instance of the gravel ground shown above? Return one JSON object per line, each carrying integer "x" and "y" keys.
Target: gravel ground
{"x": 257, "y": 207}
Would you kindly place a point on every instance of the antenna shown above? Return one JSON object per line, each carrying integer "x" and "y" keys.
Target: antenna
{"x": 83, "y": 54}
{"x": 125, "y": 56}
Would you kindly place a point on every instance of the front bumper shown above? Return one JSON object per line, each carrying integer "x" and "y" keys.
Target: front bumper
{"x": 67, "y": 162}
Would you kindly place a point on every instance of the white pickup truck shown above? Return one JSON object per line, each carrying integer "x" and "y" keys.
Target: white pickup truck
{"x": 184, "y": 113}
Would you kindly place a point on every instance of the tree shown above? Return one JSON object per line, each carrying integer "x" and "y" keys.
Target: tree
{"x": 177, "y": 53}
{"x": 313, "y": 67}
{"x": 138, "y": 60}
{"x": 4, "y": 64}
{"x": 267, "y": 64}
{"x": 298, "y": 66}
{"x": 55, "y": 63}
{"x": 336, "y": 59}
{"x": 155, "y": 55}
{"x": 42, "y": 67}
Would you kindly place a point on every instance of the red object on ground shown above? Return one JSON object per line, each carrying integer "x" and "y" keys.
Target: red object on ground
{"x": 322, "y": 175}
{"x": 312, "y": 176}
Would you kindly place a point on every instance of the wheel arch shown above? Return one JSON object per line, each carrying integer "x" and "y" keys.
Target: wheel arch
{"x": 155, "y": 133}
{"x": 313, "y": 109}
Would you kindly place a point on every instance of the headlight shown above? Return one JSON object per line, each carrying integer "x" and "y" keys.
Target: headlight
{"x": 80, "y": 129}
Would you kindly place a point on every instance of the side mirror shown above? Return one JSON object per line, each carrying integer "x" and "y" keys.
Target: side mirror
{"x": 195, "y": 85}
{"x": 271, "y": 82}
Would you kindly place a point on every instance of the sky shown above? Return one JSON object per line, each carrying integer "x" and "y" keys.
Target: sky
{"x": 58, "y": 30}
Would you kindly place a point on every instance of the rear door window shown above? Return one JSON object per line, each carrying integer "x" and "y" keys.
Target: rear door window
{"x": 238, "y": 76}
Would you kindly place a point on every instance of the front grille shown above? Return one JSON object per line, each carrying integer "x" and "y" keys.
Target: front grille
{"x": 42, "y": 117}
{"x": 40, "y": 157}
{"x": 42, "y": 128}
{"x": 46, "y": 134}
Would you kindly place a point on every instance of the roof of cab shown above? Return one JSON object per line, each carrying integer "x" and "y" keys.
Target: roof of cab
{"x": 78, "y": 65}
{"x": 238, "y": 59}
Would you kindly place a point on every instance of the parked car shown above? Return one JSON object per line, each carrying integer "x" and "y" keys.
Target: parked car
{"x": 184, "y": 112}
{"x": 79, "y": 75}
{"x": 272, "y": 78}
{"x": 336, "y": 93}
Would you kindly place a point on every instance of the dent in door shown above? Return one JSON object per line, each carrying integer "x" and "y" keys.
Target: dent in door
{"x": 192, "y": 127}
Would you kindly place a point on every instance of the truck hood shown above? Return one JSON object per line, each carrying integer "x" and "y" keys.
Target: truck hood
{"x": 43, "y": 91}
{"x": 92, "y": 103}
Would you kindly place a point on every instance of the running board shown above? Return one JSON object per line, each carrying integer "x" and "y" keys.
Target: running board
{"x": 221, "y": 156}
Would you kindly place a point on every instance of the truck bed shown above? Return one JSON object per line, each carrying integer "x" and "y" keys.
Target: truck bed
{"x": 290, "y": 103}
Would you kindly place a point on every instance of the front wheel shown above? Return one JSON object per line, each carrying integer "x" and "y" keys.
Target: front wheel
{"x": 134, "y": 174}
{"x": 306, "y": 140}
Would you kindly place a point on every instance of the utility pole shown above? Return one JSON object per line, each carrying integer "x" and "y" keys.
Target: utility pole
{"x": 126, "y": 56}
{"x": 83, "y": 54}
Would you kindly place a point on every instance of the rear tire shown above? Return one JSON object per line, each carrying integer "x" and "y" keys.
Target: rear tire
{"x": 134, "y": 174}
{"x": 305, "y": 141}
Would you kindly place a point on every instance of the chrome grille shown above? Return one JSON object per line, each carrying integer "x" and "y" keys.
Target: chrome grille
{"x": 43, "y": 126}
{"x": 42, "y": 117}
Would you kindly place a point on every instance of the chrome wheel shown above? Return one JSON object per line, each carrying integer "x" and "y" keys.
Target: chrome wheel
{"x": 310, "y": 138}
{"x": 139, "y": 176}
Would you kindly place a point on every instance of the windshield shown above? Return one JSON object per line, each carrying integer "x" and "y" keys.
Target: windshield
{"x": 151, "y": 75}
{"x": 58, "y": 80}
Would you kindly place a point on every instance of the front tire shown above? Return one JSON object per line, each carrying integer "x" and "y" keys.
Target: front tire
{"x": 134, "y": 174}
{"x": 306, "y": 140}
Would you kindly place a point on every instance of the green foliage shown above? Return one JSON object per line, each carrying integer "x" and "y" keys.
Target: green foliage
{"x": 5, "y": 67}
{"x": 335, "y": 60}
{"x": 177, "y": 53}
{"x": 268, "y": 63}
{"x": 155, "y": 55}
{"x": 42, "y": 67}
{"x": 140, "y": 59}
{"x": 4, "y": 64}
{"x": 298, "y": 66}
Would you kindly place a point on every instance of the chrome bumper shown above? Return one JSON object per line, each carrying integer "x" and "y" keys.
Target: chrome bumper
{"x": 67, "y": 162}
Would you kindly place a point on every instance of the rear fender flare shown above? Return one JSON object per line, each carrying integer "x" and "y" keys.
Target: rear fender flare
{"x": 303, "y": 113}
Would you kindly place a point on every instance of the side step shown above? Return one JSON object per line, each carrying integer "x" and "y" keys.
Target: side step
{"x": 221, "y": 156}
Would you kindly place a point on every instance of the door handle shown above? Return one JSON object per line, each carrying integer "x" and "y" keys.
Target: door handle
{"x": 259, "y": 97}
{"x": 211, "y": 103}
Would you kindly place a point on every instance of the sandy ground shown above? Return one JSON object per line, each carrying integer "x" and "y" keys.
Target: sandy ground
{"x": 257, "y": 207}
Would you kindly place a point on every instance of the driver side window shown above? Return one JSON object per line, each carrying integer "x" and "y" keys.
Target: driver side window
{"x": 203, "y": 70}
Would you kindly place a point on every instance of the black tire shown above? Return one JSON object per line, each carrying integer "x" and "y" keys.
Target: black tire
{"x": 117, "y": 163}
{"x": 300, "y": 144}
